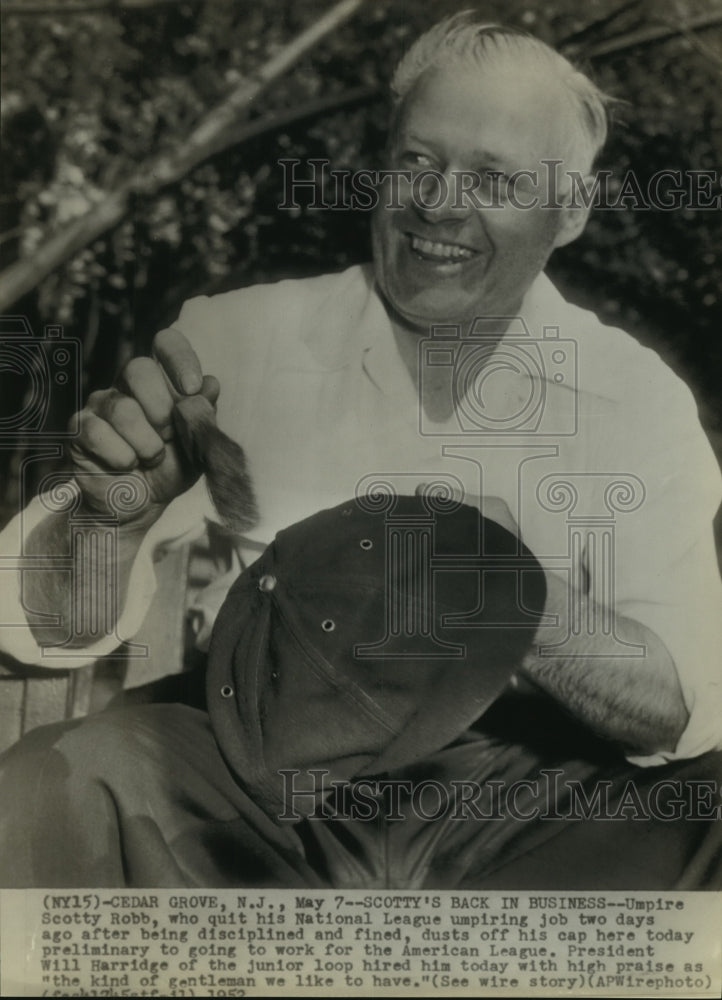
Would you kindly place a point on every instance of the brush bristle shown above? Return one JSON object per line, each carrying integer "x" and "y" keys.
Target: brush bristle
{"x": 222, "y": 460}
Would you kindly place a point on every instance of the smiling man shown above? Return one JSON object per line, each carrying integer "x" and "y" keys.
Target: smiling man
{"x": 451, "y": 359}
{"x": 491, "y": 117}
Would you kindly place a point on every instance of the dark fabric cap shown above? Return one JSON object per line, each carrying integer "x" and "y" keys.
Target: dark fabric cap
{"x": 365, "y": 638}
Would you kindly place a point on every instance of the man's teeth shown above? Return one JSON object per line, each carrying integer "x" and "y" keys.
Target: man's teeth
{"x": 444, "y": 251}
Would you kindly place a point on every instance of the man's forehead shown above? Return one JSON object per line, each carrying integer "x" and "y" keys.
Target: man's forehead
{"x": 500, "y": 106}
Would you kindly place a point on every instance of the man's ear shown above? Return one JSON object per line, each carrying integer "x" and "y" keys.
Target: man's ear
{"x": 573, "y": 217}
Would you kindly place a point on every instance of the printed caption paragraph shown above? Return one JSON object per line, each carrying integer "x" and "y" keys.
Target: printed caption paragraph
{"x": 254, "y": 943}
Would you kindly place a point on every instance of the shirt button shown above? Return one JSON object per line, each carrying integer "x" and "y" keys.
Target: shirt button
{"x": 267, "y": 583}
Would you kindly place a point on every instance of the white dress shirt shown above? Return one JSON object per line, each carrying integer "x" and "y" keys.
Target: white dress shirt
{"x": 590, "y": 439}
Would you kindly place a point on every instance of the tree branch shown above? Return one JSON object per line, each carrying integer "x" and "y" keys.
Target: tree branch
{"x": 599, "y": 25}
{"x": 645, "y": 36}
{"x": 276, "y": 120}
{"x": 220, "y": 130}
{"x": 209, "y": 137}
{"x": 19, "y": 9}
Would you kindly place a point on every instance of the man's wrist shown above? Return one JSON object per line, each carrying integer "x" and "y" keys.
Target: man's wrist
{"x": 133, "y": 516}
{"x": 130, "y": 526}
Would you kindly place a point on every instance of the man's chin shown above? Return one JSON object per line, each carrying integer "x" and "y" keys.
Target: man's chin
{"x": 421, "y": 316}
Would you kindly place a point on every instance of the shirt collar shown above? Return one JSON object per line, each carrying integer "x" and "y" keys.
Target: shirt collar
{"x": 367, "y": 336}
{"x": 540, "y": 315}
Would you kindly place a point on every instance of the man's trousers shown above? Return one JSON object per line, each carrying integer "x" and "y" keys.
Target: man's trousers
{"x": 141, "y": 797}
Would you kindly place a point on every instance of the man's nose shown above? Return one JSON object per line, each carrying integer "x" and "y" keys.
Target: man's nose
{"x": 437, "y": 196}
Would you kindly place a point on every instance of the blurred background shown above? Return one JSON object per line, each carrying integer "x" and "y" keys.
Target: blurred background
{"x": 141, "y": 141}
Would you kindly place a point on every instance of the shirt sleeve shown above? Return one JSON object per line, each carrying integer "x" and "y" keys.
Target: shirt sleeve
{"x": 181, "y": 522}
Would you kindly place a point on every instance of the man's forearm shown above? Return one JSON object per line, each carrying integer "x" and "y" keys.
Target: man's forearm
{"x": 634, "y": 701}
{"x": 48, "y": 590}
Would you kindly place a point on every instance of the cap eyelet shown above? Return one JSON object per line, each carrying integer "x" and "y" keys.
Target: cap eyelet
{"x": 226, "y": 691}
{"x": 327, "y": 625}
{"x": 366, "y": 543}
{"x": 267, "y": 583}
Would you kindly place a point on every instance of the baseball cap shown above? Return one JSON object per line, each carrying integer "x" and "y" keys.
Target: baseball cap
{"x": 366, "y": 637}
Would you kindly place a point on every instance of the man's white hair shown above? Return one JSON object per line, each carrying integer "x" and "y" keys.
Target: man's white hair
{"x": 463, "y": 38}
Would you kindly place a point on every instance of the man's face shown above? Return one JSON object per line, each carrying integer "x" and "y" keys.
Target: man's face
{"x": 457, "y": 261}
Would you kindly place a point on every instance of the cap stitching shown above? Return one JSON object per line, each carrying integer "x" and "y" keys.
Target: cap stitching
{"x": 324, "y": 669}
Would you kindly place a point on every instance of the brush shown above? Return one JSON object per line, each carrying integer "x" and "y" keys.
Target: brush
{"x": 221, "y": 459}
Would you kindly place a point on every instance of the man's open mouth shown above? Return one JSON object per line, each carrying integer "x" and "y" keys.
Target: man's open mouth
{"x": 439, "y": 252}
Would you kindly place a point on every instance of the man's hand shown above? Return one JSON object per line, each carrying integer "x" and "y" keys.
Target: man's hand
{"x": 130, "y": 428}
{"x": 124, "y": 430}
{"x": 636, "y": 702}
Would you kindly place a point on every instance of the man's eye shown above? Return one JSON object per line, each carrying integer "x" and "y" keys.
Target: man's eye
{"x": 412, "y": 159}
